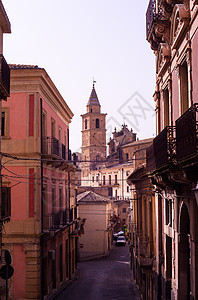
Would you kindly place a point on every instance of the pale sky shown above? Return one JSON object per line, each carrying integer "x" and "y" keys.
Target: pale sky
{"x": 76, "y": 40}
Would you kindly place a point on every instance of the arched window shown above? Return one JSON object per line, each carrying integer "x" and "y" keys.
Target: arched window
{"x": 97, "y": 123}
{"x": 184, "y": 85}
{"x": 85, "y": 123}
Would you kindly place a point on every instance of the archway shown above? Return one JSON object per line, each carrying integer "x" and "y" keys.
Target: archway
{"x": 184, "y": 254}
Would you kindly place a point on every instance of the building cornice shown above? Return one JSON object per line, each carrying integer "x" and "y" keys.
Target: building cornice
{"x": 37, "y": 80}
{"x": 4, "y": 21}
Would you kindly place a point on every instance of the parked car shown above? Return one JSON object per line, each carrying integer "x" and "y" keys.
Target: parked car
{"x": 121, "y": 241}
{"x": 116, "y": 235}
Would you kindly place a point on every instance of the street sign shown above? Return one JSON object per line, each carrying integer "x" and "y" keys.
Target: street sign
{"x": 6, "y": 270}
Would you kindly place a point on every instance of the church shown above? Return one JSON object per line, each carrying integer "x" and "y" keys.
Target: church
{"x": 125, "y": 152}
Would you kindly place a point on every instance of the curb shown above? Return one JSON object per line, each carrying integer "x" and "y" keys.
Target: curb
{"x": 56, "y": 293}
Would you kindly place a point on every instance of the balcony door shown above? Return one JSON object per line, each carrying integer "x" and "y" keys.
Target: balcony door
{"x": 184, "y": 255}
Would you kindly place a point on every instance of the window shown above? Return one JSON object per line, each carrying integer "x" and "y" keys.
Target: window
{"x": 53, "y": 199}
{"x": 124, "y": 210}
{"x": 61, "y": 197}
{"x": 52, "y": 128}
{"x": 168, "y": 208}
{"x": 103, "y": 180}
{"x": 110, "y": 192}
{"x": 6, "y": 202}
{"x": 93, "y": 179}
{"x": 5, "y": 122}
{"x": 97, "y": 123}
{"x": 44, "y": 123}
{"x": 127, "y": 188}
{"x": 184, "y": 87}
{"x": 127, "y": 156}
{"x": 31, "y": 115}
{"x": 110, "y": 179}
{"x": 85, "y": 123}
{"x": 46, "y": 220}
{"x": 166, "y": 108}
{"x": 60, "y": 134}
{"x": 116, "y": 179}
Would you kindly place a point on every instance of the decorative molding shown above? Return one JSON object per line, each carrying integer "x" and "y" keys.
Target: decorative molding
{"x": 164, "y": 55}
{"x": 179, "y": 177}
{"x": 162, "y": 31}
{"x": 180, "y": 20}
{"x": 177, "y": 70}
{"x": 156, "y": 96}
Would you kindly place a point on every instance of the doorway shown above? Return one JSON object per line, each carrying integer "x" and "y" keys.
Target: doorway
{"x": 184, "y": 254}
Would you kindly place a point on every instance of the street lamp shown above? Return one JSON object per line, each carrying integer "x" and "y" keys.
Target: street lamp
{"x": 196, "y": 192}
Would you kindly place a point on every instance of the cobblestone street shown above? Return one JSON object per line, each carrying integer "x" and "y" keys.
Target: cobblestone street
{"x": 105, "y": 279}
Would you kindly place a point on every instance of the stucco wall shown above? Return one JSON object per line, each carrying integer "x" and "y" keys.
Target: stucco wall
{"x": 94, "y": 241}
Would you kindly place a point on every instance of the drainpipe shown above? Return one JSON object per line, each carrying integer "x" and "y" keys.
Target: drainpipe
{"x": 42, "y": 269}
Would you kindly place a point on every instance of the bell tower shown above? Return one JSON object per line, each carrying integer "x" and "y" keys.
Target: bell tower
{"x": 93, "y": 136}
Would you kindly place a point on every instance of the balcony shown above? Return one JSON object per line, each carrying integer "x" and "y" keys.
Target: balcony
{"x": 51, "y": 146}
{"x": 163, "y": 150}
{"x": 4, "y": 78}
{"x": 150, "y": 159}
{"x": 164, "y": 147}
{"x": 58, "y": 155}
{"x": 55, "y": 221}
{"x": 150, "y": 16}
{"x": 187, "y": 134}
{"x": 158, "y": 22}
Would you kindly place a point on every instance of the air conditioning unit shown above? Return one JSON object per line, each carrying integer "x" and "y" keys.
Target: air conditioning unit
{"x": 52, "y": 254}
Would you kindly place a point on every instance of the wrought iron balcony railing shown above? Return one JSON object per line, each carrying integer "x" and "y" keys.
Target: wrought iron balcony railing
{"x": 164, "y": 147}
{"x": 150, "y": 159}
{"x": 55, "y": 221}
{"x": 150, "y": 16}
{"x": 51, "y": 146}
{"x": 48, "y": 221}
{"x": 187, "y": 134}
{"x": 4, "y": 78}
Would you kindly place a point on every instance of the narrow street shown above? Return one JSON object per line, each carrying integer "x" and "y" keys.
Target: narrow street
{"x": 105, "y": 278}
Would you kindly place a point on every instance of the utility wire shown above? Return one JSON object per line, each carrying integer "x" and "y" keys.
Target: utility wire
{"x": 63, "y": 160}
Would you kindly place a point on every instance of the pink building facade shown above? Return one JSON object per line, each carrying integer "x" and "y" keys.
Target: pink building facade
{"x": 39, "y": 182}
{"x": 172, "y": 160}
